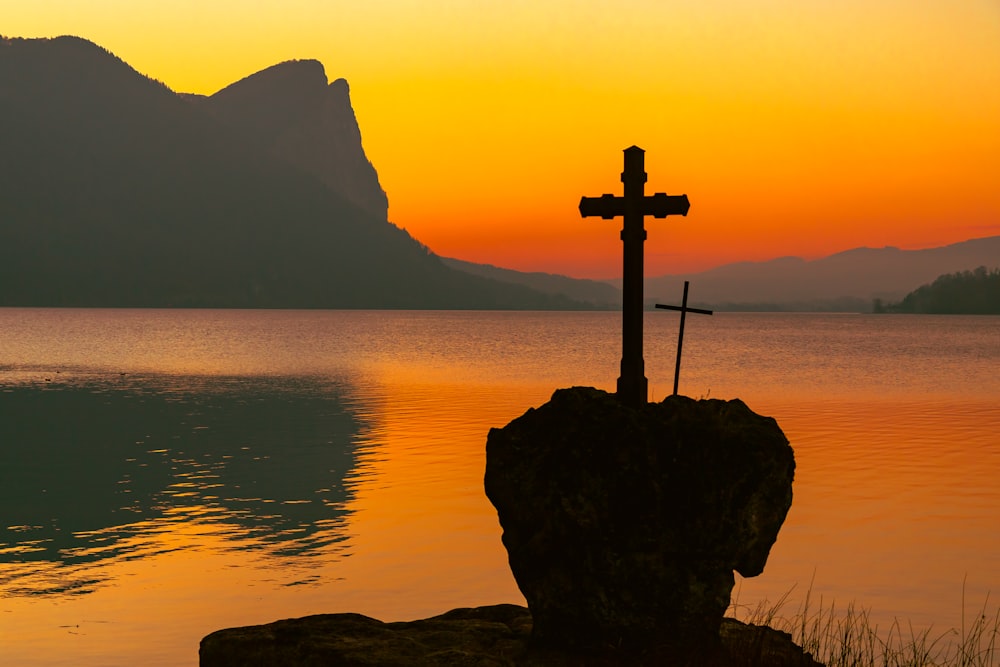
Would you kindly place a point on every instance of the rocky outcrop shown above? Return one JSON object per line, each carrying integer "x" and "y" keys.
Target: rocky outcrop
{"x": 623, "y": 526}
{"x": 290, "y": 111}
{"x": 496, "y": 635}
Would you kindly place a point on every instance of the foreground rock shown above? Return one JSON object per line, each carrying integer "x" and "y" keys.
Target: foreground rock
{"x": 623, "y": 526}
{"x": 497, "y": 635}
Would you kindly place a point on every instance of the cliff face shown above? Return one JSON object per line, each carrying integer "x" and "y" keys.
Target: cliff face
{"x": 290, "y": 111}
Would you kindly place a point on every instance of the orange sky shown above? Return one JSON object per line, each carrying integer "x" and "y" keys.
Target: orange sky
{"x": 795, "y": 127}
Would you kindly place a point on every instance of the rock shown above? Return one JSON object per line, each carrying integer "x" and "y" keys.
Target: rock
{"x": 623, "y": 526}
{"x": 494, "y": 635}
{"x": 758, "y": 645}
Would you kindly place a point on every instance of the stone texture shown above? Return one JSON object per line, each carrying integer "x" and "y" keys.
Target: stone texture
{"x": 495, "y": 635}
{"x": 623, "y": 526}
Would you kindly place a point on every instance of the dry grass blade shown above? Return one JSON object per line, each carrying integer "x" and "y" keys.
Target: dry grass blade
{"x": 848, "y": 638}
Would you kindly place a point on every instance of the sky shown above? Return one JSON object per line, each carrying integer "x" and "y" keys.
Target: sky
{"x": 795, "y": 127}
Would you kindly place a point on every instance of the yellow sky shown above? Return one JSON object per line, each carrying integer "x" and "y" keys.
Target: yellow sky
{"x": 799, "y": 127}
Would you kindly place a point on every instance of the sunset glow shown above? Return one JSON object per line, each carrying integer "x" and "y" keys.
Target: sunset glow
{"x": 795, "y": 128}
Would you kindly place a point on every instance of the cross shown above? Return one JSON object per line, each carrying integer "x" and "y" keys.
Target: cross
{"x": 680, "y": 336}
{"x": 633, "y": 206}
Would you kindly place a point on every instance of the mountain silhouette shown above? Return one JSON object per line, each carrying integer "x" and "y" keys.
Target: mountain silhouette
{"x": 290, "y": 111}
{"x": 848, "y": 280}
{"x": 117, "y": 192}
{"x": 597, "y": 293}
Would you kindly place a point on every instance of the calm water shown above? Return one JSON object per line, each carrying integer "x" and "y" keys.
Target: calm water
{"x": 167, "y": 473}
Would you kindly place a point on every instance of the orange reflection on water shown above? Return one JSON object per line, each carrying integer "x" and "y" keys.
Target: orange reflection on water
{"x": 895, "y": 508}
{"x": 896, "y": 498}
{"x": 895, "y": 503}
{"x": 151, "y": 609}
{"x": 424, "y": 538}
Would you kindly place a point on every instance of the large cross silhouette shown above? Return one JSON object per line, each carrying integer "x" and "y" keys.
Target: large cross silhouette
{"x": 633, "y": 206}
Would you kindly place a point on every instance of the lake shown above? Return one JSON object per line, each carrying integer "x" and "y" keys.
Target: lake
{"x": 166, "y": 473}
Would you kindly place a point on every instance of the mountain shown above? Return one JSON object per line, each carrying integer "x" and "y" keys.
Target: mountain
{"x": 594, "y": 292}
{"x": 289, "y": 111}
{"x": 116, "y": 191}
{"x": 848, "y": 280}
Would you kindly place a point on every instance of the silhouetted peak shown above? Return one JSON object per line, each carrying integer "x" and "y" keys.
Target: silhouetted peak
{"x": 61, "y": 42}
{"x": 293, "y": 82}
{"x": 74, "y": 42}
{"x": 339, "y": 95}
{"x": 67, "y": 66}
{"x": 291, "y": 111}
{"x": 273, "y": 99}
{"x": 73, "y": 52}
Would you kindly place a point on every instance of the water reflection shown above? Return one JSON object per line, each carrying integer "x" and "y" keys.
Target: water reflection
{"x": 98, "y": 469}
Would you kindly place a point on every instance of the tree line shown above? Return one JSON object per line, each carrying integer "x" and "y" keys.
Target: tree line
{"x": 975, "y": 292}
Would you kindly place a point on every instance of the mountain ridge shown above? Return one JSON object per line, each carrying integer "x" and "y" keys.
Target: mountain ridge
{"x": 290, "y": 111}
{"x": 853, "y": 278}
{"x": 598, "y": 294}
{"x": 117, "y": 192}
{"x": 849, "y": 280}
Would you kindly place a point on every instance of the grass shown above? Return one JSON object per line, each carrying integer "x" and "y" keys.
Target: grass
{"x": 846, "y": 637}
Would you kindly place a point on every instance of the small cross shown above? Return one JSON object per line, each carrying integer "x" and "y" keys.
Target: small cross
{"x": 680, "y": 336}
{"x": 633, "y": 206}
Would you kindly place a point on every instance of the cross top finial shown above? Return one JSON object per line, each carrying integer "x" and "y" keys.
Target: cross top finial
{"x": 635, "y": 168}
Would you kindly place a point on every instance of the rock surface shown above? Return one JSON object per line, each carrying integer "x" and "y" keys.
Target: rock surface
{"x": 495, "y": 635}
{"x": 623, "y": 526}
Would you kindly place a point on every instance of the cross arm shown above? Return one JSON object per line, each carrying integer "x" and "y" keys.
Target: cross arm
{"x": 685, "y": 308}
{"x": 605, "y": 206}
{"x": 661, "y": 205}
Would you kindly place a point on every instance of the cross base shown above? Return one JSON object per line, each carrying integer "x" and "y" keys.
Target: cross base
{"x": 633, "y": 388}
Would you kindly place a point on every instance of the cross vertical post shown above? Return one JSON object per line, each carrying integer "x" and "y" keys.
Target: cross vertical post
{"x": 632, "y": 383}
{"x": 633, "y": 207}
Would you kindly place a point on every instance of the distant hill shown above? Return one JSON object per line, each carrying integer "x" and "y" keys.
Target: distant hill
{"x": 116, "y": 191}
{"x": 967, "y": 292}
{"x": 594, "y": 292}
{"x": 846, "y": 281}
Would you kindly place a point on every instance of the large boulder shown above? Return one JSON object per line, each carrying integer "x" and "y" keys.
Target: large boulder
{"x": 623, "y": 525}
